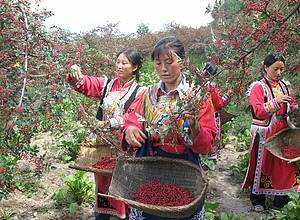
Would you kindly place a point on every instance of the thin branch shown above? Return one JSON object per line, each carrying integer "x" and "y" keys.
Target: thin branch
{"x": 26, "y": 52}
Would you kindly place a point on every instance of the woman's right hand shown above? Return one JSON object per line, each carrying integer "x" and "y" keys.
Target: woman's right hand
{"x": 134, "y": 136}
{"x": 75, "y": 73}
{"x": 283, "y": 99}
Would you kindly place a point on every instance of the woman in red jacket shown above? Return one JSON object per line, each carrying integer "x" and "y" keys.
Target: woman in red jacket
{"x": 271, "y": 99}
{"x": 156, "y": 108}
{"x": 117, "y": 98}
{"x": 217, "y": 102}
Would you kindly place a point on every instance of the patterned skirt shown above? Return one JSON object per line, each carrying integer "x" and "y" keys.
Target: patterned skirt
{"x": 136, "y": 214}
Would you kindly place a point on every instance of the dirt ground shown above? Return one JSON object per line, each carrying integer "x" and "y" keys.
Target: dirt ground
{"x": 222, "y": 189}
{"x": 226, "y": 190}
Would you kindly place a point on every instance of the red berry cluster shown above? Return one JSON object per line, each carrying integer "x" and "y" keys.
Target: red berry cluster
{"x": 162, "y": 194}
{"x": 106, "y": 163}
{"x": 290, "y": 151}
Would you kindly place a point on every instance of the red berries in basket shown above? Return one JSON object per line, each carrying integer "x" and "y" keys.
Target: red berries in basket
{"x": 291, "y": 151}
{"x": 106, "y": 163}
{"x": 162, "y": 194}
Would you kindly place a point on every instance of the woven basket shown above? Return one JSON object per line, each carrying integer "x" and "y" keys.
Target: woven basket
{"x": 131, "y": 172}
{"x": 282, "y": 139}
{"x": 89, "y": 155}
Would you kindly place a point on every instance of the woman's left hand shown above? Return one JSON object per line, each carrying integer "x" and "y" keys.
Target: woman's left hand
{"x": 193, "y": 122}
{"x": 190, "y": 117}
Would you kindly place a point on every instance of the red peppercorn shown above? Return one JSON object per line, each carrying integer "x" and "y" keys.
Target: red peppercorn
{"x": 162, "y": 194}
{"x": 106, "y": 163}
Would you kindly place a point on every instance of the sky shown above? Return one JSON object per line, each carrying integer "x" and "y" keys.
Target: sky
{"x": 84, "y": 15}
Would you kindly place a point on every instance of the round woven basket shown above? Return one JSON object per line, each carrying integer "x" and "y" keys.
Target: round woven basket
{"x": 129, "y": 173}
{"x": 285, "y": 137}
{"x": 89, "y": 155}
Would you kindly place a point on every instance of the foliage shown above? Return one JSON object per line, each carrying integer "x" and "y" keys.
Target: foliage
{"x": 243, "y": 141}
{"x": 239, "y": 169}
{"x": 210, "y": 164}
{"x": 7, "y": 164}
{"x": 291, "y": 210}
{"x": 243, "y": 32}
{"x": 142, "y": 30}
{"x": 78, "y": 190}
{"x": 211, "y": 210}
{"x": 237, "y": 131}
{"x": 29, "y": 60}
{"x": 211, "y": 213}
{"x": 6, "y": 214}
{"x": 228, "y": 216}
{"x": 71, "y": 148}
{"x": 27, "y": 182}
{"x": 148, "y": 74}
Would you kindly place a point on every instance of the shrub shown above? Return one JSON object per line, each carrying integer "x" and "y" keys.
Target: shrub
{"x": 78, "y": 190}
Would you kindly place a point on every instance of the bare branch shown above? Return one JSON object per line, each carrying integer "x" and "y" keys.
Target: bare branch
{"x": 26, "y": 52}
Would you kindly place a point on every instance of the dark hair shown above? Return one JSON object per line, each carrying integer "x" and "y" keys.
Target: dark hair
{"x": 167, "y": 45}
{"x": 272, "y": 58}
{"x": 135, "y": 59}
{"x": 210, "y": 68}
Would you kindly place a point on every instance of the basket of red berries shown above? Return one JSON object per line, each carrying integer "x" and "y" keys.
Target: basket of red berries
{"x": 285, "y": 144}
{"x": 96, "y": 158}
{"x": 170, "y": 188}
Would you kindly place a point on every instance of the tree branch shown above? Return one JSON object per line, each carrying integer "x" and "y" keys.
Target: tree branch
{"x": 26, "y": 52}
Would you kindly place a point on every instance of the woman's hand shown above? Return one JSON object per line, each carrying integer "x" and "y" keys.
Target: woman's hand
{"x": 193, "y": 122}
{"x": 283, "y": 99}
{"x": 103, "y": 124}
{"x": 75, "y": 73}
{"x": 134, "y": 136}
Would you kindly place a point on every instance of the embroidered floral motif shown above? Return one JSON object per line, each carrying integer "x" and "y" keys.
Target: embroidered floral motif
{"x": 136, "y": 214}
{"x": 265, "y": 182}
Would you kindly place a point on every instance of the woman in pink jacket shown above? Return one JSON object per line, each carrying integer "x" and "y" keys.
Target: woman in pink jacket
{"x": 117, "y": 98}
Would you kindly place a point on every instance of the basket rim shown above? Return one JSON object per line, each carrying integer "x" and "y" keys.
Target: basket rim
{"x": 166, "y": 209}
{"x": 279, "y": 133}
{"x": 268, "y": 146}
{"x": 158, "y": 158}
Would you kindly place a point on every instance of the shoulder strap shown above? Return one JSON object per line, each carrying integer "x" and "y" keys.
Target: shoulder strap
{"x": 99, "y": 114}
{"x": 131, "y": 98}
{"x": 286, "y": 87}
{"x": 269, "y": 86}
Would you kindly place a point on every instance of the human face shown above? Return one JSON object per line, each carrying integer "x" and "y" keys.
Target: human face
{"x": 168, "y": 69}
{"x": 124, "y": 68}
{"x": 274, "y": 72}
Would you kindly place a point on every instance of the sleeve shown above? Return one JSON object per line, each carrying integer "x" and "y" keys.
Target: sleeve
{"x": 204, "y": 141}
{"x": 90, "y": 86}
{"x": 217, "y": 99}
{"x": 119, "y": 122}
{"x": 262, "y": 109}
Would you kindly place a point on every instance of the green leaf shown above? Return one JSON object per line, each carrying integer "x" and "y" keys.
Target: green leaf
{"x": 73, "y": 207}
{"x": 210, "y": 206}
